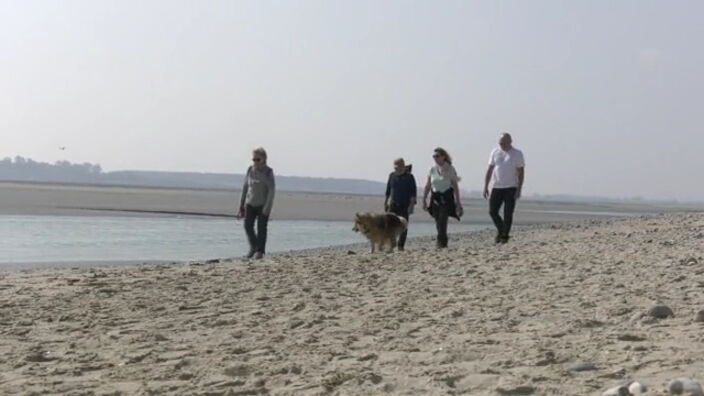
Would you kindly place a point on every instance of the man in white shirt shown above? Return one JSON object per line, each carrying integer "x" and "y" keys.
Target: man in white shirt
{"x": 507, "y": 170}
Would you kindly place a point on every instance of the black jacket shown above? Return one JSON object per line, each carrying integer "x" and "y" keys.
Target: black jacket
{"x": 401, "y": 188}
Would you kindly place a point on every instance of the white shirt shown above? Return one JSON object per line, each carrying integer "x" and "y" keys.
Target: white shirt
{"x": 442, "y": 181}
{"x": 506, "y": 164}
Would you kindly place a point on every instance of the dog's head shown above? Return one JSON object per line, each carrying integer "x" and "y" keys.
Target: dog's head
{"x": 361, "y": 221}
{"x": 357, "y": 222}
{"x": 355, "y": 228}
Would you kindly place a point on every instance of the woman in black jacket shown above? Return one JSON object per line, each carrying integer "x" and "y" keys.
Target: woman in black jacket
{"x": 445, "y": 199}
{"x": 401, "y": 193}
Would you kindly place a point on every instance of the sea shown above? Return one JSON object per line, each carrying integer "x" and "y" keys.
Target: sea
{"x": 30, "y": 241}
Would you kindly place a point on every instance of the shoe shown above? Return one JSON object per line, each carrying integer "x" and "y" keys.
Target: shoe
{"x": 250, "y": 254}
{"x": 259, "y": 256}
{"x": 498, "y": 239}
{"x": 400, "y": 248}
{"x": 504, "y": 239}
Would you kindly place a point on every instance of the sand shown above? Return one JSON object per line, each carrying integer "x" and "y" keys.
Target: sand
{"x": 473, "y": 319}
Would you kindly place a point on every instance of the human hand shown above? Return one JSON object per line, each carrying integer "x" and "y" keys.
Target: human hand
{"x": 240, "y": 213}
{"x": 486, "y": 193}
{"x": 518, "y": 194}
{"x": 459, "y": 210}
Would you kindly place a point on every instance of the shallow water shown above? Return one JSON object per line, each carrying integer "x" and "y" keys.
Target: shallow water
{"x": 53, "y": 239}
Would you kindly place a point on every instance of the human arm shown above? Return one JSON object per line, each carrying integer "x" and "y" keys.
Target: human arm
{"x": 243, "y": 197}
{"x": 271, "y": 192}
{"x": 487, "y": 180}
{"x": 521, "y": 175}
{"x": 456, "y": 189}
{"x": 426, "y": 191}
{"x": 414, "y": 195}
{"x": 388, "y": 193}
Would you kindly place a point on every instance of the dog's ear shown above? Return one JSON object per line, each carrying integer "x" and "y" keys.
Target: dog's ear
{"x": 356, "y": 215}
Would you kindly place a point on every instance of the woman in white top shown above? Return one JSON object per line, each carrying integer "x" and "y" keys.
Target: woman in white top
{"x": 445, "y": 199}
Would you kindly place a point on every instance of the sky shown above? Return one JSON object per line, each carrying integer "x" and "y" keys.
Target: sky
{"x": 605, "y": 98}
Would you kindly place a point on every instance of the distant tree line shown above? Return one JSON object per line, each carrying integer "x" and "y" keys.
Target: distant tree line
{"x": 25, "y": 169}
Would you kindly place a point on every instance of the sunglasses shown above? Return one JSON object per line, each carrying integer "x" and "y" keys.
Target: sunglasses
{"x": 437, "y": 155}
{"x": 257, "y": 159}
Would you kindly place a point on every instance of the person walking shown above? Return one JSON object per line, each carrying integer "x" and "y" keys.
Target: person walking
{"x": 507, "y": 170}
{"x": 445, "y": 200}
{"x": 401, "y": 193}
{"x": 256, "y": 202}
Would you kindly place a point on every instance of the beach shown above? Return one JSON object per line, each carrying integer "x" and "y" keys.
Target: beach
{"x": 560, "y": 310}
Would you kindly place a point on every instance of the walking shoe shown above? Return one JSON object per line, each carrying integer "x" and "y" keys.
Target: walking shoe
{"x": 250, "y": 254}
{"x": 259, "y": 256}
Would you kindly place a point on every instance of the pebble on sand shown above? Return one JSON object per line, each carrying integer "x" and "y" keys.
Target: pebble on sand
{"x": 582, "y": 366}
{"x": 700, "y": 316}
{"x": 661, "y": 312}
{"x": 685, "y": 386}
{"x": 630, "y": 389}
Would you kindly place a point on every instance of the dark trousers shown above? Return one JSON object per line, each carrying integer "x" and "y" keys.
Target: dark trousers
{"x": 257, "y": 242}
{"x": 442, "y": 215}
{"x": 507, "y": 198}
{"x": 402, "y": 211}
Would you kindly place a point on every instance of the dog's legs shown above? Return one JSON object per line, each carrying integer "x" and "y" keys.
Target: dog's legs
{"x": 392, "y": 244}
{"x": 372, "y": 247}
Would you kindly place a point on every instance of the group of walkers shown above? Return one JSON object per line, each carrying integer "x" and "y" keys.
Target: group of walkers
{"x": 505, "y": 169}
{"x": 505, "y": 173}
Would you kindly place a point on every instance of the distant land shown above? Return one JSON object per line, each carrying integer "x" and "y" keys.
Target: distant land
{"x": 22, "y": 169}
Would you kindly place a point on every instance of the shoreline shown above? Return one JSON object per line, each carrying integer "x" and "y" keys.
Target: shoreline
{"x": 351, "y": 248}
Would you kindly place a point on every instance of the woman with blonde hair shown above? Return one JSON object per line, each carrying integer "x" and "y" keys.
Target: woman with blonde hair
{"x": 256, "y": 202}
{"x": 445, "y": 200}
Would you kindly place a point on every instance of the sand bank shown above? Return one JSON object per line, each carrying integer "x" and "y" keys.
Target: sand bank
{"x": 50, "y": 199}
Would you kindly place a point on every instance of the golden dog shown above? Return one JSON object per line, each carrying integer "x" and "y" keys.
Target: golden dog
{"x": 380, "y": 229}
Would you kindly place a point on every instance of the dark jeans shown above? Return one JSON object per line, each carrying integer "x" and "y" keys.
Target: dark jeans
{"x": 443, "y": 214}
{"x": 402, "y": 211}
{"x": 506, "y": 197}
{"x": 257, "y": 242}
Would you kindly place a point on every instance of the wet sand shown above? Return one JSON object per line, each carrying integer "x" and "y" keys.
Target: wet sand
{"x": 76, "y": 200}
{"x": 473, "y": 319}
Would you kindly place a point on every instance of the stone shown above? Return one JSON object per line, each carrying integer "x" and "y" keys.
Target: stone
{"x": 630, "y": 338}
{"x": 685, "y": 386}
{"x": 661, "y": 312}
{"x": 700, "y": 316}
{"x": 630, "y": 389}
{"x": 617, "y": 391}
{"x": 520, "y": 390}
{"x": 636, "y": 388}
{"x": 582, "y": 366}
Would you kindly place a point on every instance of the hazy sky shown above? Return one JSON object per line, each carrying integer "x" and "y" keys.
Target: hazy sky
{"x": 603, "y": 97}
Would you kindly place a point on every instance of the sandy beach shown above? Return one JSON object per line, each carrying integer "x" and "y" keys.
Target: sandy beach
{"x": 474, "y": 319}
